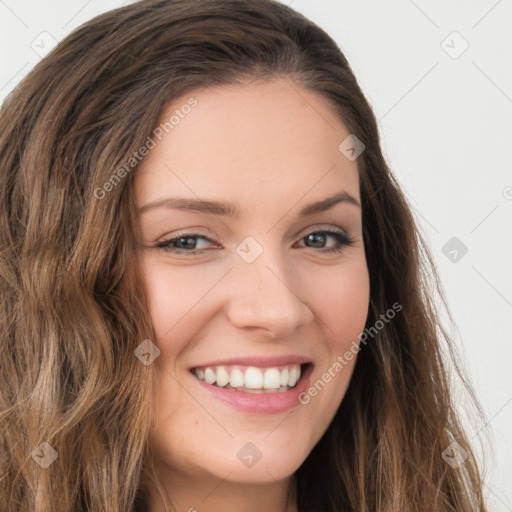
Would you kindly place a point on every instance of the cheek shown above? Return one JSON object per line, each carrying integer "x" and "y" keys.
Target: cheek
{"x": 341, "y": 304}
{"x": 341, "y": 301}
{"x": 174, "y": 292}
{"x": 177, "y": 422}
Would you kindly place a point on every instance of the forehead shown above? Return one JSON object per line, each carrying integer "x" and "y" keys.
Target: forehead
{"x": 273, "y": 139}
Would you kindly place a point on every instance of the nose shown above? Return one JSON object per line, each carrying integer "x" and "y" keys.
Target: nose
{"x": 264, "y": 294}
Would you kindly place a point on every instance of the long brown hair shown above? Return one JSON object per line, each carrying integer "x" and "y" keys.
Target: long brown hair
{"x": 73, "y": 310}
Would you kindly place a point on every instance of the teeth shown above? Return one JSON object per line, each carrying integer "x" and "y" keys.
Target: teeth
{"x": 236, "y": 379}
{"x": 272, "y": 379}
{"x": 209, "y": 376}
{"x": 294, "y": 376}
{"x": 284, "y": 377}
{"x": 222, "y": 376}
{"x": 252, "y": 378}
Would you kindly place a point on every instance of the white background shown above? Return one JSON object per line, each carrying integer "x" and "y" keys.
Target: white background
{"x": 446, "y": 128}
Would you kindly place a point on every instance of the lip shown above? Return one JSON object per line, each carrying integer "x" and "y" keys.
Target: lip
{"x": 265, "y": 403}
{"x": 259, "y": 362}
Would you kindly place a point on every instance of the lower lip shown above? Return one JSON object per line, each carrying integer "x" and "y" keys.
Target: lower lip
{"x": 260, "y": 403}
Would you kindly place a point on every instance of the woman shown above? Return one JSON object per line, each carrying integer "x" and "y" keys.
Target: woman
{"x": 213, "y": 292}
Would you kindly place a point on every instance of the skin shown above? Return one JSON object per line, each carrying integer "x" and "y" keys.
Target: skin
{"x": 272, "y": 149}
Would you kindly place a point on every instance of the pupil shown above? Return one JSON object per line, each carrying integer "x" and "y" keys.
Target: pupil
{"x": 317, "y": 238}
{"x": 189, "y": 239}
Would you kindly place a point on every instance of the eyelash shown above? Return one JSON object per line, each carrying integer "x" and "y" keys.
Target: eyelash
{"x": 342, "y": 238}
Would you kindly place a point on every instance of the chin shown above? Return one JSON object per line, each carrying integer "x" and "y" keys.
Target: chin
{"x": 261, "y": 462}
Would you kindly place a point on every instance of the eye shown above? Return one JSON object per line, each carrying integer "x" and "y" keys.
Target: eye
{"x": 319, "y": 239}
{"x": 188, "y": 242}
{"x": 184, "y": 243}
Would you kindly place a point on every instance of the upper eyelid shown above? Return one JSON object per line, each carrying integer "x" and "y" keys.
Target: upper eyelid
{"x": 305, "y": 231}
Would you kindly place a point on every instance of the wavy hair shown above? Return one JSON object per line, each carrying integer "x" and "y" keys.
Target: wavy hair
{"x": 74, "y": 309}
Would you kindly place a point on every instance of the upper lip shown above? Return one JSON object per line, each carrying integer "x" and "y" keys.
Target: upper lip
{"x": 258, "y": 361}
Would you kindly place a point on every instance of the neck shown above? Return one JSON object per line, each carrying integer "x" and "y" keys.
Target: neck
{"x": 210, "y": 494}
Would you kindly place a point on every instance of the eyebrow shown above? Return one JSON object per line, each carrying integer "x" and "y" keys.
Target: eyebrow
{"x": 231, "y": 210}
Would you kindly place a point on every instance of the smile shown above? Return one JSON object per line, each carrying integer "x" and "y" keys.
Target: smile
{"x": 251, "y": 379}
{"x": 254, "y": 389}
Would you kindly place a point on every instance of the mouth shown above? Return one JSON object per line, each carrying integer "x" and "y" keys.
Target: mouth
{"x": 253, "y": 379}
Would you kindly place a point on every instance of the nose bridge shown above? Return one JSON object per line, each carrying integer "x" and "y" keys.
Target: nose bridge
{"x": 263, "y": 293}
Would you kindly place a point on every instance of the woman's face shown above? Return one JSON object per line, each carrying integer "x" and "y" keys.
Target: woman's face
{"x": 248, "y": 297}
